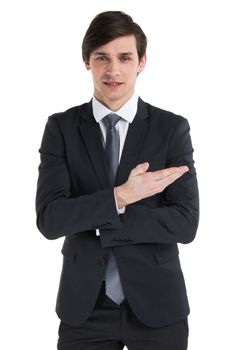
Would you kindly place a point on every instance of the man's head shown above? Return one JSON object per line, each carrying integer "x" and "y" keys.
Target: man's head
{"x": 114, "y": 49}
{"x": 111, "y": 25}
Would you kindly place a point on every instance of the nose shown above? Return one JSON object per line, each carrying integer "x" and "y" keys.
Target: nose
{"x": 113, "y": 68}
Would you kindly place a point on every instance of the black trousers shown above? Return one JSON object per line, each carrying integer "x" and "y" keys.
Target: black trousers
{"x": 111, "y": 327}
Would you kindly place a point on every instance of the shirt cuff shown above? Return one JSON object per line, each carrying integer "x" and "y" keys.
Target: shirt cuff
{"x": 119, "y": 211}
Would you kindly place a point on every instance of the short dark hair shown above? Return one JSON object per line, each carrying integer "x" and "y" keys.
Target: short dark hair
{"x": 110, "y": 25}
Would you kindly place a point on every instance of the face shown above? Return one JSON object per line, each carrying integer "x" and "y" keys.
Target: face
{"x": 115, "y": 67}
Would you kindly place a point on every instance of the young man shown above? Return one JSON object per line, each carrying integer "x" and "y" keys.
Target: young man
{"x": 117, "y": 180}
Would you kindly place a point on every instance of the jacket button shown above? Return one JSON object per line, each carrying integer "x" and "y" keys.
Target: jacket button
{"x": 102, "y": 260}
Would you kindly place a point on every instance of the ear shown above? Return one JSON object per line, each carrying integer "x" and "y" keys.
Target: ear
{"x": 87, "y": 65}
{"x": 142, "y": 64}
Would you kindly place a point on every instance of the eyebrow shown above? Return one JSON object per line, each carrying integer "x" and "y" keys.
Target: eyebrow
{"x": 99, "y": 53}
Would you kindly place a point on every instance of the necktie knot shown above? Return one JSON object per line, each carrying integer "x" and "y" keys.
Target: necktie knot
{"x": 111, "y": 120}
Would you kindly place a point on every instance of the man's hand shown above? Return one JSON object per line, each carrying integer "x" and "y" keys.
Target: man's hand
{"x": 142, "y": 184}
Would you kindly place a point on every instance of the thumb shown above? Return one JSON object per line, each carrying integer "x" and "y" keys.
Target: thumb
{"x": 140, "y": 169}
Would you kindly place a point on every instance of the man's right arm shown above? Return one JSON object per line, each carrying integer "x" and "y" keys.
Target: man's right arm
{"x": 142, "y": 184}
{"x": 161, "y": 206}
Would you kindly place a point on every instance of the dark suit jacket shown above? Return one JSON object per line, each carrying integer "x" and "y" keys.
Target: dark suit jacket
{"x": 74, "y": 198}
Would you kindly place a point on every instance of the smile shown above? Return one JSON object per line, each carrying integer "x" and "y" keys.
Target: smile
{"x": 112, "y": 84}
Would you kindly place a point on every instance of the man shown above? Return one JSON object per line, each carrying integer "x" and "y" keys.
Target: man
{"x": 117, "y": 180}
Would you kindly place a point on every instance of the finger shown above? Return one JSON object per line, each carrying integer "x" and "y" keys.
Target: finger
{"x": 168, "y": 180}
{"x": 159, "y": 185}
{"x": 160, "y": 174}
{"x": 183, "y": 168}
{"x": 140, "y": 169}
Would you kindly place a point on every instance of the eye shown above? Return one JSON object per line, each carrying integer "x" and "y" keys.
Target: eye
{"x": 125, "y": 58}
{"x": 101, "y": 58}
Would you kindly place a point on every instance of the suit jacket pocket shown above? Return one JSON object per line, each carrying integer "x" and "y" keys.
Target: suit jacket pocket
{"x": 69, "y": 250}
{"x": 165, "y": 252}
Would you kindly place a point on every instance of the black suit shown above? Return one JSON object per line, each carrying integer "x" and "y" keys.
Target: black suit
{"x": 74, "y": 198}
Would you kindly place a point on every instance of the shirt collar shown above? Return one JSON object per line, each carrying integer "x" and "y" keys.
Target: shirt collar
{"x": 127, "y": 111}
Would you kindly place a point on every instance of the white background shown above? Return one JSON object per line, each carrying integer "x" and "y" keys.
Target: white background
{"x": 189, "y": 72}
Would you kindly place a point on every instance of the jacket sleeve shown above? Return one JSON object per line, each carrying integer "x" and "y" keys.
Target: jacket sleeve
{"x": 58, "y": 213}
{"x": 176, "y": 220}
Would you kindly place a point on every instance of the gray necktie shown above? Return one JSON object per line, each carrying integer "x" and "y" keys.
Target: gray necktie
{"x": 113, "y": 283}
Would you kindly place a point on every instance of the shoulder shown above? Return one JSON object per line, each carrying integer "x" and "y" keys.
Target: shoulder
{"x": 73, "y": 115}
{"x": 163, "y": 115}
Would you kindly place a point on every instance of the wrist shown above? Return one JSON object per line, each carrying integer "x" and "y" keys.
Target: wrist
{"x": 120, "y": 196}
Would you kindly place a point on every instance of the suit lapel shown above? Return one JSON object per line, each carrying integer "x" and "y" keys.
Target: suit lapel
{"x": 133, "y": 143}
{"x": 91, "y": 134}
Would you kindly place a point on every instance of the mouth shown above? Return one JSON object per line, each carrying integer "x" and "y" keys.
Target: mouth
{"x": 112, "y": 83}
